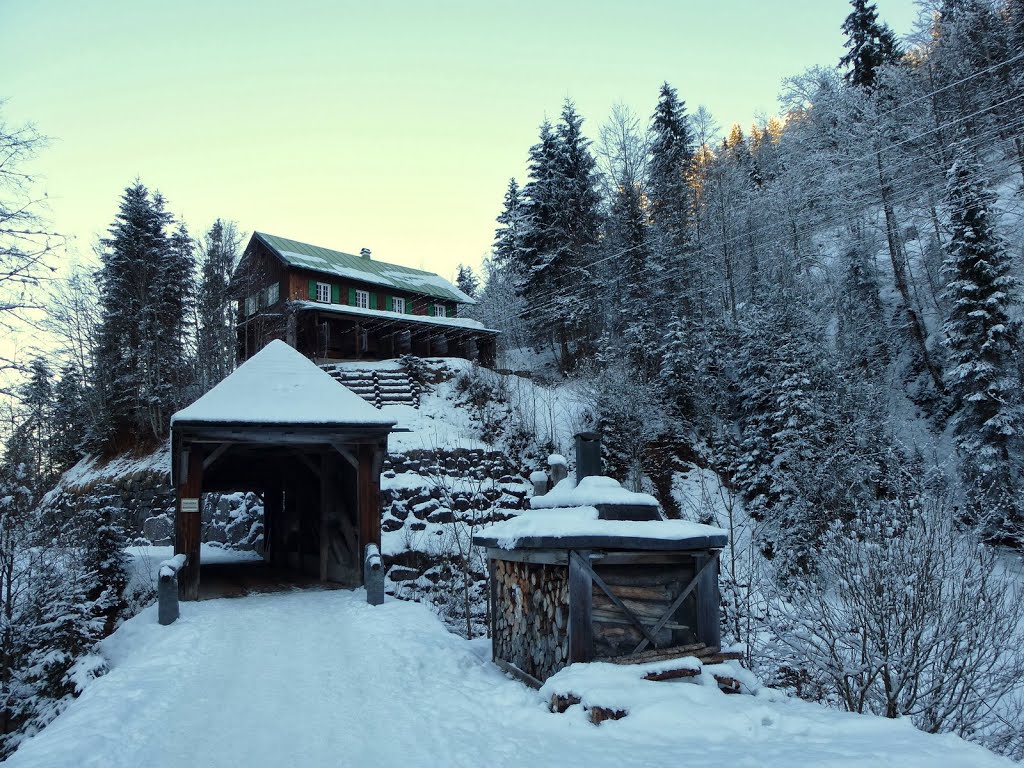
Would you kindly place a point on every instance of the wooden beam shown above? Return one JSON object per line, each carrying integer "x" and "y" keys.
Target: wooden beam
{"x": 346, "y": 454}
{"x": 188, "y": 524}
{"x": 306, "y": 460}
{"x": 217, "y": 453}
{"x": 581, "y": 591}
{"x": 518, "y": 674}
{"x": 545, "y": 556}
{"x": 713, "y": 560}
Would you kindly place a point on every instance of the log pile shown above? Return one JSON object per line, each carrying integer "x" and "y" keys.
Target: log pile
{"x": 677, "y": 663}
{"x": 531, "y": 616}
{"x": 647, "y": 591}
{"x": 708, "y": 656}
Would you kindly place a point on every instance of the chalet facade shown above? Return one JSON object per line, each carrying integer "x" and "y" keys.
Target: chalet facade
{"x": 331, "y": 305}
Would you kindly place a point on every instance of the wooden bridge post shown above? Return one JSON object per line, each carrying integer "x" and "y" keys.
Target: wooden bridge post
{"x": 273, "y": 524}
{"x": 368, "y": 488}
{"x": 327, "y": 505}
{"x": 188, "y": 520}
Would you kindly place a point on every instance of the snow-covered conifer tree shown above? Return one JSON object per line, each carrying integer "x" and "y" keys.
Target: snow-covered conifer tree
{"x": 467, "y": 281}
{"x": 145, "y": 289}
{"x": 215, "y": 332}
{"x": 870, "y": 42}
{"x": 983, "y": 345}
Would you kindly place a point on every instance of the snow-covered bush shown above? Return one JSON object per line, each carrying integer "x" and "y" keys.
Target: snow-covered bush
{"x": 909, "y": 616}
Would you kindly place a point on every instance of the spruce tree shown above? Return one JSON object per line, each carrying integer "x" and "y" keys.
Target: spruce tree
{"x": 560, "y": 236}
{"x": 671, "y": 209}
{"x": 870, "y": 42}
{"x": 144, "y": 285}
{"x": 467, "y": 281}
{"x": 507, "y": 248}
{"x": 104, "y": 558}
{"x": 68, "y": 411}
{"x": 215, "y": 333}
{"x": 983, "y": 347}
{"x": 38, "y": 426}
{"x": 862, "y": 333}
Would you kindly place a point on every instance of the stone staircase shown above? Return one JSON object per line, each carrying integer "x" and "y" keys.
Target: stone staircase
{"x": 378, "y": 387}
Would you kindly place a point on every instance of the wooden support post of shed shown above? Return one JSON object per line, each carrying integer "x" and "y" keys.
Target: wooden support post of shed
{"x": 581, "y": 593}
{"x": 188, "y": 520}
{"x": 709, "y": 631}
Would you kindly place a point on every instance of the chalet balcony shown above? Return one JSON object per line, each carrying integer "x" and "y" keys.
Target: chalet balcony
{"x": 329, "y": 333}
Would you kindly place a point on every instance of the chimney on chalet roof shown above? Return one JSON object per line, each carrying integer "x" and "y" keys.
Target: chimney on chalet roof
{"x": 365, "y": 253}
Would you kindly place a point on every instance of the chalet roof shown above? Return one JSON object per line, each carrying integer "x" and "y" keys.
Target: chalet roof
{"x": 278, "y": 385}
{"x": 341, "y": 264}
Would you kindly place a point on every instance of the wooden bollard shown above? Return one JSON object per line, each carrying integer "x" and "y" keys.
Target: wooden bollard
{"x": 373, "y": 575}
{"x": 167, "y": 589}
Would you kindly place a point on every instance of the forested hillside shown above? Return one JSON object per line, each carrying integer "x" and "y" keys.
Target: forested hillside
{"x": 823, "y": 309}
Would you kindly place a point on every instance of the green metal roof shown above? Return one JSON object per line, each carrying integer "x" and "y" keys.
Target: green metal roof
{"x": 347, "y": 265}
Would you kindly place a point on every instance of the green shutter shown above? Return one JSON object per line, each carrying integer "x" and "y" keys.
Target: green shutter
{"x": 373, "y": 300}
{"x": 388, "y": 303}
{"x": 351, "y": 297}
{"x": 409, "y": 308}
{"x": 335, "y": 294}
{"x": 312, "y": 290}
{"x": 449, "y": 310}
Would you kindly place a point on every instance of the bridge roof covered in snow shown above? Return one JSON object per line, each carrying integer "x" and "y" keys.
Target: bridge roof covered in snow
{"x": 279, "y": 386}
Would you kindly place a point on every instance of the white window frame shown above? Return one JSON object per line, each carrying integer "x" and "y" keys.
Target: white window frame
{"x": 439, "y": 311}
{"x": 251, "y": 304}
{"x": 273, "y": 293}
{"x": 362, "y": 299}
{"x": 323, "y": 292}
{"x": 398, "y": 305}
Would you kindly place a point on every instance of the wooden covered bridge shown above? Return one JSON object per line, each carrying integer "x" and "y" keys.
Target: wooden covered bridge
{"x": 281, "y": 427}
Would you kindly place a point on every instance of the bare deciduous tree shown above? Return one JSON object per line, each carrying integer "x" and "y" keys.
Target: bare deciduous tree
{"x": 910, "y": 616}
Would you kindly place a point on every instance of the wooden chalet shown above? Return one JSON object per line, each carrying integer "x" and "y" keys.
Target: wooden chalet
{"x": 332, "y": 305}
{"x": 281, "y": 427}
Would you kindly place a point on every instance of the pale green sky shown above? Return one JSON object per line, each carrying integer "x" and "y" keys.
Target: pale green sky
{"x": 392, "y": 125}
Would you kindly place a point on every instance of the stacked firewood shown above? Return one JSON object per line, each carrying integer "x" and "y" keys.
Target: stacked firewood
{"x": 708, "y": 656}
{"x": 531, "y": 616}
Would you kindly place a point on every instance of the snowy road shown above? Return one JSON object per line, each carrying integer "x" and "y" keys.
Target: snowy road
{"x": 321, "y": 679}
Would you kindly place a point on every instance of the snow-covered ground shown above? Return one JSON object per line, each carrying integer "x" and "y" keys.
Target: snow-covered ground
{"x": 319, "y": 678}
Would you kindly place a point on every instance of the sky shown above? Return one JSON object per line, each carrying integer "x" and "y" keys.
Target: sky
{"x": 388, "y": 125}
